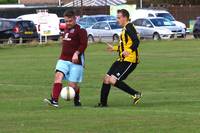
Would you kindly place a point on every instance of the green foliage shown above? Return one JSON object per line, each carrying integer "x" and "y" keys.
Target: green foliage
{"x": 8, "y": 1}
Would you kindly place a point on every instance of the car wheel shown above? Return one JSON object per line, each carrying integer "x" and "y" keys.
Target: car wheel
{"x": 196, "y": 34}
{"x": 156, "y": 36}
{"x": 183, "y": 36}
{"x": 115, "y": 38}
{"x": 90, "y": 39}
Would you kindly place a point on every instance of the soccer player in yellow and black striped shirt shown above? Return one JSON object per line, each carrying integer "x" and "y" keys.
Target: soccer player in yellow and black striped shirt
{"x": 126, "y": 63}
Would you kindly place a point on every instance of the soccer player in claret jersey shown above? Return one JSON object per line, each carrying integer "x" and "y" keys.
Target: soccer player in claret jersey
{"x": 70, "y": 64}
{"x": 126, "y": 63}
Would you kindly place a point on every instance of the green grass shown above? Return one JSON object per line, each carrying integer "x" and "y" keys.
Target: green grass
{"x": 168, "y": 76}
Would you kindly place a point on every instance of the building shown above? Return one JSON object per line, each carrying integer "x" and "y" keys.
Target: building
{"x": 71, "y": 2}
{"x": 93, "y": 2}
{"x": 39, "y": 2}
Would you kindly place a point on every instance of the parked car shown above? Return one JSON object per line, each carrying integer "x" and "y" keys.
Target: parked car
{"x": 157, "y": 28}
{"x": 104, "y": 30}
{"x": 88, "y": 21}
{"x": 14, "y": 31}
{"x": 47, "y": 24}
{"x": 144, "y": 13}
{"x": 196, "y": 30}
{"x": 62, "y": 24}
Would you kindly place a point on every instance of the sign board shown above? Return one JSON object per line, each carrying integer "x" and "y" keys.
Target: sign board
{"x": 43, "y": 22}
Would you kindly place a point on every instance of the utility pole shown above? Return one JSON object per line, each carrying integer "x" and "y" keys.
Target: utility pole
{"x": 19, "y": 2}
{"x": 141, "y": 2}
{"x": 81, "y": 3}
{"x": 81, "y": 7}
{"x": 59, "y": 2}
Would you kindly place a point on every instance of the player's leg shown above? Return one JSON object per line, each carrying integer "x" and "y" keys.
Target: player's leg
{"x": 106, "y": 86}
{"x": 77, "y": 101}
{"x": 75, "y": 77}
{"x": 124, "y": 69}
{"x": 62, "y": 69}
{"x": 57, "y": 87}
{"x": 105, "y": 89}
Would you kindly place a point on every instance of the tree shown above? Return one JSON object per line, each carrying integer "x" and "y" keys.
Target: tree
{"x": 8, "y": 1}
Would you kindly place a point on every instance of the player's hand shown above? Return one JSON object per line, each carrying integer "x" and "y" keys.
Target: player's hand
{"x": 75, "y": 58}
{"x": 125, "y": 54}
{"x": 110, "y": 47}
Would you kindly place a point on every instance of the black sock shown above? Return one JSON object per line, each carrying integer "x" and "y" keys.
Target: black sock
{"x": 77, "y": 95}
{"x": 104, "y": 93}
{"x": 123, "y": 86}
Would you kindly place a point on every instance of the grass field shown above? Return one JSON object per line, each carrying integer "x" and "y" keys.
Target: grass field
{"x": 168, "y": 76}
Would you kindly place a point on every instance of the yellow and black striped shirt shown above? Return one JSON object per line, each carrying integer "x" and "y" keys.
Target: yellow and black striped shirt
{"x": 129, "y": 41}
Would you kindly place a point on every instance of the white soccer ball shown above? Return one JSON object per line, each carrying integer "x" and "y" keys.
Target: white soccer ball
{"x": 67, "y": 93}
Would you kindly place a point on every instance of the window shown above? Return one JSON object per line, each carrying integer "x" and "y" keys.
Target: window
{"x": 114, "y": 25}
{"x": 150, "y": 15}
{"x": 7, "y": 25}
{"x": 146, "y": 23}
{"x": 103, "y": 26}
{"x": 162, "y": 22}
{"x": 1, "y": 25}
{"x": 62, "y": 20}
{"x": 138, "y": 22}
{"x": 166, "y": 15}
{"x": 91, "y": 21}
{"x": 27, "y": 26}
{"x": 82, "y": 20}
{"x": 101, "y": 19}
{"x": 96, "y": 26}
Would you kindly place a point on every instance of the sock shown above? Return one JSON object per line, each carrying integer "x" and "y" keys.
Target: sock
{"x": 77, "y": 94}
{"x": 123, "y": 86}
{"x": 57, "y": 87}
{"x": 104, "y": 93}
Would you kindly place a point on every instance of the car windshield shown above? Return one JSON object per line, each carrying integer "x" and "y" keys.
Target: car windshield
{"x": 105, "y": 18}
{"x": 114, "y": 25}
{"x": 28, "y": 25}
{"x": 162, "y": 22}
{"x": 166, "y": 15}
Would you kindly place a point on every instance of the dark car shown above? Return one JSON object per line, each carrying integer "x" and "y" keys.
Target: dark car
{"x": 88, "y": 21}
{"x": 196, "y": 30}
{"x": 15, "y": 31}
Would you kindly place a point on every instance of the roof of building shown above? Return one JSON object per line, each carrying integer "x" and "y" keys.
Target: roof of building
{"x": 95, "y": 3}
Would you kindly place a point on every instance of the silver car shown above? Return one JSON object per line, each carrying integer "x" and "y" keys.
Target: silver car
{"x": 104, "y": 31}
{"x": 88, "y": 21}
{"x": 157, "y": 28}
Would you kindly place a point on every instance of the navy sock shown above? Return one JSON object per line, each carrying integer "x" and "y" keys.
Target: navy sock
{"x": 123, "y": 86}
{"x": 104, "y": 93}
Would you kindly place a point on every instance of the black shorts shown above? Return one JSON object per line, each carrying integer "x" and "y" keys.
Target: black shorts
{"x": 121, "y": 70}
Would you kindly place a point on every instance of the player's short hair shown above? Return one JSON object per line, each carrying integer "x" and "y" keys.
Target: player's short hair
{"x": 124, "y": 13}
{"x": 69, "y": 13}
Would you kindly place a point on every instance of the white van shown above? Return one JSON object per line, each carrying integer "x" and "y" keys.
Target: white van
{"x": 48, "y": 25}
{"x": 145, "y": 13}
